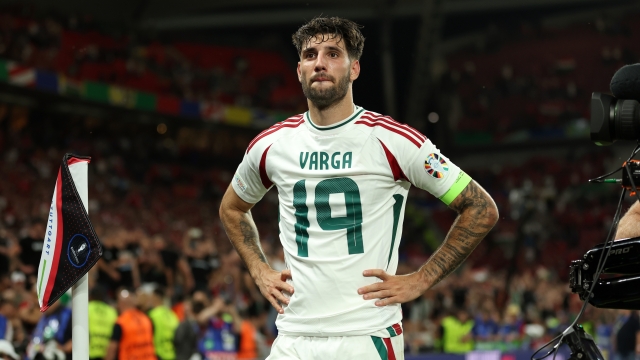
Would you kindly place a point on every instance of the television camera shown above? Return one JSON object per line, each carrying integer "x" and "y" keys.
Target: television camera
{"x": 608, "y": 275}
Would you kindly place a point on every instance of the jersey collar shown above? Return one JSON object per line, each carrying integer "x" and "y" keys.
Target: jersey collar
{"x": 339, "y": 125}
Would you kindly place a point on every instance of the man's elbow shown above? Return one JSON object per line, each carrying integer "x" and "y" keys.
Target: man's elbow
{"x": 493, "y": 215}
{"x": 221, "y": 210}
{"x": 486, "y": 214}
{"x": 226, "y": 209}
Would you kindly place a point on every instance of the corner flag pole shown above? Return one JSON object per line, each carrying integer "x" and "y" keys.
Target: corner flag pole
{"x": 80, "y": 291}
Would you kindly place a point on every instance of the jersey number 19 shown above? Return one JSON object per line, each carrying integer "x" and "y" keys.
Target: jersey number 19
{"x": 352, "y": 221}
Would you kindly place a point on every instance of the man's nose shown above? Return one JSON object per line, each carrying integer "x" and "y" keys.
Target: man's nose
{"x": 320, "y": 64}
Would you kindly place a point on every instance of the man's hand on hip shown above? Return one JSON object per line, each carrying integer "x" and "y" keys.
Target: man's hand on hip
{"x": 394, "y": 289}
{"x": 272, "y": 283}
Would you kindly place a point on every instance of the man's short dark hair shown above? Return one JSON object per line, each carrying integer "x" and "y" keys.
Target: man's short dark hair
{"x": 329, "y": 28}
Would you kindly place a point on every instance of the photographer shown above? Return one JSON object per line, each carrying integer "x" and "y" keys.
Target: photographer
{"x": 220, "y": 327}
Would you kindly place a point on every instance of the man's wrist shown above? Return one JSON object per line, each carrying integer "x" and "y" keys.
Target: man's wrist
{"x": 257, "y": 268}
{"x": 423, "y": 282}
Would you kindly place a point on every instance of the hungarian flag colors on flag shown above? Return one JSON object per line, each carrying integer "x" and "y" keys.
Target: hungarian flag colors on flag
{"x": 71, "y": 246}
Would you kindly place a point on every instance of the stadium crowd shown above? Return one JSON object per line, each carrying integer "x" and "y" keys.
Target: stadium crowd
{"x": 526, "y": 81}
{"x": 153, "y": 201}
{"x": 155, "y": 212}
{"x": 76, "y": 47}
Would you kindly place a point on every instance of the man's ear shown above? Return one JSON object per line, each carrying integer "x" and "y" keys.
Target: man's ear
{"x": 299, "y": 73}
{"x": 355, "y": 70}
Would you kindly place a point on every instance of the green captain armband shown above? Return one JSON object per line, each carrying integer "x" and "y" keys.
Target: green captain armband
{"x": 461, "y": 182}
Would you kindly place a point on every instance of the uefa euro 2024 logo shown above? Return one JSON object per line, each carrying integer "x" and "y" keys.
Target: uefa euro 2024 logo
{"x": 436, "y": 166}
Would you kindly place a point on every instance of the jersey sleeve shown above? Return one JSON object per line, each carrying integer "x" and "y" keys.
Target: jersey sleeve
{"x": 428, "y": 169}
{"x": 248, "y": 181}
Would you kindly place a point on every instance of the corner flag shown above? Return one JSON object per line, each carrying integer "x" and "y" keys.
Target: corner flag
{"x": 71, "y": 246}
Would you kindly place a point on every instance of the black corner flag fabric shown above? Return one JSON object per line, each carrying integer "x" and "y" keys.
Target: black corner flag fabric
{"x": 71, "y": 246}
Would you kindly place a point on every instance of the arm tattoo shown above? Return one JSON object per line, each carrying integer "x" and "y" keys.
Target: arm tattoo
{"x": 251, "y": 240}
{"x": 476, "y": 216}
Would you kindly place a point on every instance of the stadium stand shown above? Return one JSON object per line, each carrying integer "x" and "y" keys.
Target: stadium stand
{"x": 155, "y": 194}
{"x": 195, "y": 72}
{"x": 534, "y": 85}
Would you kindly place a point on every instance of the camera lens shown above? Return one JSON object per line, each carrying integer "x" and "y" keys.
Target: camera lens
{"x": 614, "y": 119}
{"x": 626, "y": 120}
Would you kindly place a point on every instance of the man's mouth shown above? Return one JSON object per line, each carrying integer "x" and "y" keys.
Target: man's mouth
{"x": 320, "y": 78}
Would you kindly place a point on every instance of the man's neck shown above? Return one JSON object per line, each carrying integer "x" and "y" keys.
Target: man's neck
{"x": 332, "y": 114}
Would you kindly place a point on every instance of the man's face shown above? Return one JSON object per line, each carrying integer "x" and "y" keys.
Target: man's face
{"x": 325, "y": 70}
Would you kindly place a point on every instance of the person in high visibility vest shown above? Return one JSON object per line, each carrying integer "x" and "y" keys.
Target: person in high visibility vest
{"x": 165, "y": 323}
{"x": 457, "y": 336}
{"x": 132, "y": 336}
{"x": 102, "y": 317}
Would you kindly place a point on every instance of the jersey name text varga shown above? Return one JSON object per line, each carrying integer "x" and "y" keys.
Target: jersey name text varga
{"x": 320, "y": 160}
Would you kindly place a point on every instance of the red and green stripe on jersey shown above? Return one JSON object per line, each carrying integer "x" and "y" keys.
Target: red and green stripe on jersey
{"x": 372, "y": 119}
{"x": 292, "y": 122}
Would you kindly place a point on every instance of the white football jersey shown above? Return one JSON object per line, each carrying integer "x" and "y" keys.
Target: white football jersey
{"x": 342, "y": 191}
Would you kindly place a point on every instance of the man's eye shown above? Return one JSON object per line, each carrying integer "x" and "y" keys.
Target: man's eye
{"x": 310, "y": 55}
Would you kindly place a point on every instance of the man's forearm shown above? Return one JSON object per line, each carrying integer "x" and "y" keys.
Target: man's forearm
{"x": 477, "y": 216}
{"x": 243, "y": 234}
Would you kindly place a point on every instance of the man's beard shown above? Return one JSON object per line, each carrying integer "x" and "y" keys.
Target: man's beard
{"x": 325, "y": 98}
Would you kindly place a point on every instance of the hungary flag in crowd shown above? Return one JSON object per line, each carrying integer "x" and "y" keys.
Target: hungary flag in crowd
{"x": 71, "y": 246}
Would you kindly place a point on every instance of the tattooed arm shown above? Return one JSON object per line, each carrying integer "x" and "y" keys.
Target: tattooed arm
{"x": 235, "y": 215}
{"x": 477, "y": 214}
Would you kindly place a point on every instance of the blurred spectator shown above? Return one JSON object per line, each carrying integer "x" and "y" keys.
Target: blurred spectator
{"x": 151, "y": 267}
{"x": 511, "y": 329}
{"x": 108, "y": 273}
{"x": 6, "y": 329}
{"x": 604, "y": 321}
{"x": 9, "y": 310}
{"x": 627, "y": 335}
{"x": 165, "y": 322}
{"x": 253, "y": 344}
{"x": 8, "y": 250}
{"x": 7, "y": 352}
{"x": 125, "y": 246}
{"x": 457, "y": 336}
{"x": 132, "y": 335}
{"x": 102, "y": 318}
{"x": 220, "y": 327}
{"x": 187, "y": 333}
{"x": 31, "y": 248}
{"x": 485, "y": 330}
{"x": 177, "y": 274}
{"x": 202, "y": 257}
{"x": 52, "y": 335}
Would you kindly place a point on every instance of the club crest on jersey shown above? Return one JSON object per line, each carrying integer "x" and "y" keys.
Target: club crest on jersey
{"x": 436, "y": 166}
